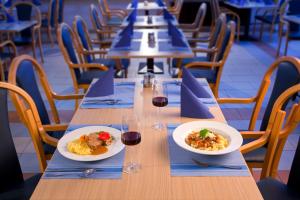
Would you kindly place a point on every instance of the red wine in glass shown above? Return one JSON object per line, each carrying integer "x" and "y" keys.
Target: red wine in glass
{"x": 160, "y": 101}
{"x": 131, "y": 138}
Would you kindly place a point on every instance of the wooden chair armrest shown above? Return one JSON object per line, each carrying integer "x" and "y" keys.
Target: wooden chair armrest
{"x": 86, "y": 52}
{"x": 90, "y": 65}
{"x": 201, "y": 50}
{"x": 203, "y": 64}
{"x": 105, "y": 31}
{"x": 252, "y": 134}
{"x": 9, "y": 43}
{"x": 101, "y": 42}
{"x": 67, "y": 97}
{"x": 236, "y": 100}
{"x": 260, "y": 142}
{"x": 55, "y": 127}
{"x": 203, "y": 40}
{"x": 118, "y": 13}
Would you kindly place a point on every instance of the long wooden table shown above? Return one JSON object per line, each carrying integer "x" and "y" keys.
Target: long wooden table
{"x": 153, "y": 181}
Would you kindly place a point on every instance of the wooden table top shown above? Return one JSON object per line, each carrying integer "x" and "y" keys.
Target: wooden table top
{"x": 251, "y": 5}
{"x": 17, "y": 26}
{"x": 143, "y": 6}
{"x": 146, "y": 51}
{"x": 153, "y": 181}
{"x": 292, "y": 18}
{"x": 158, "y": 21}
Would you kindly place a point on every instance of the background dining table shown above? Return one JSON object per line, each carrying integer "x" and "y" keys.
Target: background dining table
{"x": 158, "y": 21}
{"x": 154, "y": 180}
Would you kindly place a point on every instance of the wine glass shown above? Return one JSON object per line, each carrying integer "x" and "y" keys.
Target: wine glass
{"x": 159, "y": 99}
{"x": 131, "y": 137}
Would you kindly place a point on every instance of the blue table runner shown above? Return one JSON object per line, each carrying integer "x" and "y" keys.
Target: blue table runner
{"x": 181, "y": 163}
{"x": 111, "y": 168}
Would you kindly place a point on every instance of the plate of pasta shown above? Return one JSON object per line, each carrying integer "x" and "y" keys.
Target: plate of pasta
{"x": 91, "y": 143}
{"x": 207, "y": 137}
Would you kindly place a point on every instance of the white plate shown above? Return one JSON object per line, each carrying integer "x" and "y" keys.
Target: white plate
{"x": 234, "y": 137}
{"x": 113, "y": 149}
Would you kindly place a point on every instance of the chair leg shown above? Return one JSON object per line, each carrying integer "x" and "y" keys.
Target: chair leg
{"x": 50, "y": 36}
{"x": 2, "y": 77}
{"x": 271, "y": 32}
{"x": 254, "y": 28}
{"x": 41, "y": 46}
{"x": 33, "y": 48}
{"x": 261, "y": 31}
{"x": 287, "y": 41}
{"x": 238, "y": 28}
{"x": 280, "y": 40}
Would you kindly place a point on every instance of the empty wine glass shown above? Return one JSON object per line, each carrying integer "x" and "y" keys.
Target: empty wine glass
{"x": 131, "y": 137}
{"x": 159, "y": 99}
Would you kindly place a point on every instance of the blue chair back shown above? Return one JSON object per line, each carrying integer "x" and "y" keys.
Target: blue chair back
{"x": 10, "y": 170}
{"x": 294, "y": 177}
{"x": 81, "y": 31}
{"x": 52, "y": 12}
{"x": 68, "y": 43}
{"x": 60, "y": 11}
{"x": 286, "y": 77}
{"x": 26, "y": 80}
{"x": 96, "y": 16}
{"x": 24, "y": 12}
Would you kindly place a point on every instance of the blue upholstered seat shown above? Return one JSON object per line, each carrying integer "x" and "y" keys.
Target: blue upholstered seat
{"x": 27, "y": 81}
{"x": 272, "y": 189}
{"x": 12, "y": 184}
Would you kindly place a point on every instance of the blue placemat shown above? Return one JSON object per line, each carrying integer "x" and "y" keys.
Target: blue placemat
{"x": 137, "y": 35}
{"x": 163, "y": 35}
{"x": 181, "y": 163}
{"x": 134, "y": 46}
{"x": 172, "y": 90}
{"x": 123, "y": 92}
{"x": 111, "y": 168}
{"x": 167, "y": 46}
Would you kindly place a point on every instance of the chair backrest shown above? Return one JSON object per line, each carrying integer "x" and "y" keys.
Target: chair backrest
{"x": 288, "y": 74}
{"x": 2, "y": 13}
{"x": 9, "y": 160}
{"x": 52, "y": 14}
{"x": 280, "y": 126}
{"x": 69, "y": 48}
{"x": 97, "y": 20}
{"x": 60, "y": 11}
{"x": 283, "y": 8}
{"x": 215, "y": 11}
{"x": 199, "y": 20}
{"x": 217, "y": 35}
{"x": 22, "y": 73}
{"x": 27, "y": 11}
{"x": 294, "y": 177}
{"x": 176, "y": 9}
{"x": 83, "y": 37}
{"x": 103, "y": 7}
{"x": 10, "y": 170}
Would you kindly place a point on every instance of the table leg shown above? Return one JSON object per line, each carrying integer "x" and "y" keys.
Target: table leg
{"x": 150, "y": 66}
{"x": 146, "y": 12}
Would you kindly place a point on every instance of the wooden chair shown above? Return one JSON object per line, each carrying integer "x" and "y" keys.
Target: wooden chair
{"x": 22, "y": 73}
{"x": 216, "y": 10}
{"x": 113, "y": 18}
{"x": 196, "y": 27}
{"x": 290, "y": 35}
{"x": 288, "y": 75}
{"x": 271, "y": 188}
{"x": 273, "y": 139}
{"x": 54, "y": 17}
{"x": 269, "y": 16}
{"x": 34, "y": 36}
{"x": 87, "y": 51}
{"x": 176, "y": 9}
{"x": 211, "y": 66}
{"x": 81, "y": 72}
{"x": 8, "y": 51}
{"x": 13, "y": 185}
{"x": 99, "y": 25}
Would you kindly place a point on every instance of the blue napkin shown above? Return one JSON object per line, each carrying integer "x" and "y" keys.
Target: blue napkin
{"x": 7, "y": 3}
{"x": 269, "y": 2}
{"x": 191, "y": 106}
{"x": 167, "y": 15}
{"x": 103, "y": 86}
{"x": 160, "y": 3}
{"x": 132, "y": 16}
{"x": 193, "y": 84}
{"x": 36, "y": 2}
{"x": 124, "y": 41}
{"x": 128, "y": 30}
{"x": 134, "y": 3}
{"x": 177, "y": 40}
{"x": 9, "y": 18}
